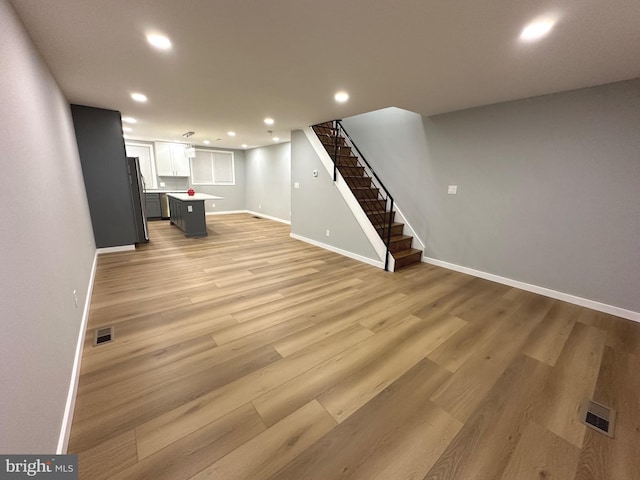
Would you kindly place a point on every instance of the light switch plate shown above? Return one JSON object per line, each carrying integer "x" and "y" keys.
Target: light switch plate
{"x": 453, "y": 189}
{"x": 296, "y": 185}
{"x": 189, "y": 208}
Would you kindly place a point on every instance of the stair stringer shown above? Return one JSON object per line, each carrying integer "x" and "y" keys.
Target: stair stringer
{"x": 351, "y": 201}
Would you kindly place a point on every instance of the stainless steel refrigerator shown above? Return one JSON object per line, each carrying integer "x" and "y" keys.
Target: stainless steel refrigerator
{"x": 136, "y": 182}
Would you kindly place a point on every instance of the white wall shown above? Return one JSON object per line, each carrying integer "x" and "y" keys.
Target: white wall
{"x": 548, "y": 187}
{"x": 268, "y": 177}
{"x": 46, "y": 246}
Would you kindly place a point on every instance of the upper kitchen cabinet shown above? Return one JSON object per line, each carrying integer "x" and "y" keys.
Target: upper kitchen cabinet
{"x": 171, "y": 160}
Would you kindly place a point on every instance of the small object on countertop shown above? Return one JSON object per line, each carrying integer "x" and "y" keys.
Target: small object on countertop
{"x": 191, "y": 192}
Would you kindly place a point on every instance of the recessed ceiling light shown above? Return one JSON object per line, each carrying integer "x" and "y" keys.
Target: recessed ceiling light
{"x": 127, "y": 129}
{"x": 268, "y": 121}
{"x": 159, "y": 41}
{"x": 244, "y": 145}
{"x": 276, "y": 139}
{"x": 129, "y": 120}
{"x": 139, "y": 97}
{"x": 341, "y": 97}
{"x": 206, "y": 142}
{"x": 231, "y": 134}
{"x": 537, "y": 30}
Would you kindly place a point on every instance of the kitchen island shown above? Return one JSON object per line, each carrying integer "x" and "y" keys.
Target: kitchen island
{"x": 188, "y": 212}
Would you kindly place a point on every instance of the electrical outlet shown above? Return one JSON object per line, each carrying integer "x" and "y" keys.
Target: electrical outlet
{"x": 296, "y": 185}
{"x": 259, "y": 206}
{"x": 453, "y": 189}
{"x": 75, "y": 298}
{"x": 190, "y": 208}
{"x": 162, "y": 184}
{"x": 327, "y": 233}
{"x": 213, "y": 205}
{"x": 315, "y": 173}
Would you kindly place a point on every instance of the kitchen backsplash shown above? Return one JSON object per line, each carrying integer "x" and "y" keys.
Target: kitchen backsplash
{"x": 173, "y": 183}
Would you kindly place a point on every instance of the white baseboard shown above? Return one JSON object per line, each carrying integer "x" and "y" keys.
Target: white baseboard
{"x": 269, "y": 217}
{"x": 331, "y": 248}
{"x": 547, "y": 292}
{"x": 251, "y": 212}
{"x": 227, "y": 212}
{"x": 67, "y": 419}
{"x": 122, "y": 248}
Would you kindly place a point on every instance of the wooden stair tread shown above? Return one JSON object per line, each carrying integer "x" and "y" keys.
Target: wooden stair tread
{"x": 399, "y": 238}
{"x": 405, "y": 253}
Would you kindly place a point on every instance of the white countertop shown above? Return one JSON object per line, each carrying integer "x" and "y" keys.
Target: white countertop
{"x": 164, "y": 191}
{"x": 197, "y": 196}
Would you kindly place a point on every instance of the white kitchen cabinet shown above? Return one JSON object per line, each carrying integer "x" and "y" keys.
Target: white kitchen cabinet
{"x": 171, "y": 160}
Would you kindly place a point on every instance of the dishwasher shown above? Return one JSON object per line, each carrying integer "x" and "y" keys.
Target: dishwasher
{"x": 164, "y": 206}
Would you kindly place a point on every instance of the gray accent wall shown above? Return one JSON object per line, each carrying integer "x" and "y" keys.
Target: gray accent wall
{"x": 269, "y": 180}
{"x": 318, "y": 206}
{"x": 106, "y": 179}
{"x": 46, "y": 246}
{"x": 548, "y": 187}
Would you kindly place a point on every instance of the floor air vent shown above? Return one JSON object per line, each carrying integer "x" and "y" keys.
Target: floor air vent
{"x": 103, "y": 335}
{"x": 599, "y": 417}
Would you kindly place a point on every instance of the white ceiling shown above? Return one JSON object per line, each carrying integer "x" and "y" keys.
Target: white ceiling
{"x": 235, "y": 62}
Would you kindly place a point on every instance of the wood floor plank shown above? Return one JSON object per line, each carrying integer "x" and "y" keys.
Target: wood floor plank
{"x": 106, "y": 459}
{"x": 194, "y": 373}
{"x": 486, "y": 442}
{"x": 548, "y": 339}
{"x": 122, "y": 369}
{"x": 618, "y": 385}
{"x": 382, "y": 442}
{"x": 467, "y": 388}
{"x": 353, "y": 392}
{"x": 260, "y": 310}
{"x": 195, "y": 452}
{"x": 453, "y": 353}
{"x": 97, "y": 357}
{"x": 289, "y": 396}
{"x": 240, "y": 330}
{"x": 269, "y": 451}
{"x": 541, "y": 454}
{"x": 573, "y": 381}
{"x": 226, "y": 345}
{"x": 91, "y": 427}
{"x": 185, "y": 419}
{"x": 315, "y": 333}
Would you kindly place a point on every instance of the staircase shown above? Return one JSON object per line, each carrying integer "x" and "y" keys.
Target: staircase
{"x": 369, "y": 191}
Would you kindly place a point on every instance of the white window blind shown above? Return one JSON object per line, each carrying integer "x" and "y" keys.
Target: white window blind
{"x": 211, "y": 167}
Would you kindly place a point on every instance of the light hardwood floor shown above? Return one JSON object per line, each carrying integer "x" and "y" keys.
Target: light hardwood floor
{"x": 249, "y": 355}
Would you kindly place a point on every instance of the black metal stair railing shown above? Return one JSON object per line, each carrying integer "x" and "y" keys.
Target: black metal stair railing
{"x": 373, "y": 196}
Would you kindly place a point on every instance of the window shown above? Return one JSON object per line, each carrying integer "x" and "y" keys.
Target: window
{"x": 211, "y": 167}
